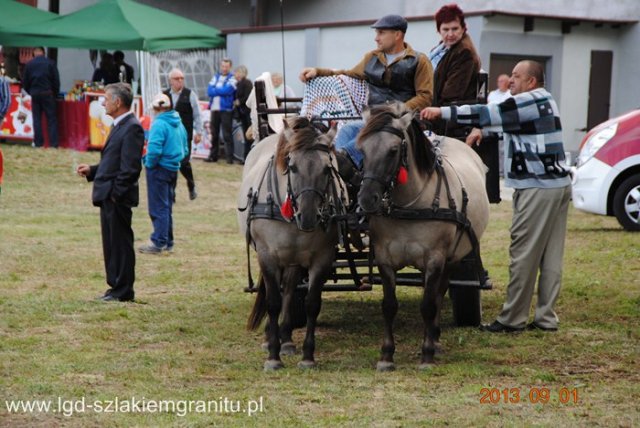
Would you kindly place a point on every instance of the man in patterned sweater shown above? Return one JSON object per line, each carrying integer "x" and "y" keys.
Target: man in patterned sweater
{"x": 533, "y": 165}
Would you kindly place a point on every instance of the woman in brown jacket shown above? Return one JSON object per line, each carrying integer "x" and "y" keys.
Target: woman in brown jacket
{"x": 455, "y": 61}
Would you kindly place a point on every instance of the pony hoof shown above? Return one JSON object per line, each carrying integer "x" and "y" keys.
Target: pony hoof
{"x": 306, "y": 364}
{"x": 385, "y": 366}
{"x": 427, "y": 366}
{"x": 288, "y": 348}
{"x": 272, "y": 365}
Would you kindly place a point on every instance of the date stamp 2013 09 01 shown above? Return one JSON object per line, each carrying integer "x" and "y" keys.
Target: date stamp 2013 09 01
{"x": 532, "y": 395}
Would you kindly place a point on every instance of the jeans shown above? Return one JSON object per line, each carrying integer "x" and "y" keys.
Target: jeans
{"x": 346, "y": 141}
{"x": 160, "y": 188}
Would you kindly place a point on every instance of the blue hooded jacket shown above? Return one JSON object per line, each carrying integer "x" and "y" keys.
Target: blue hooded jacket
{"x": 167, "y": 144}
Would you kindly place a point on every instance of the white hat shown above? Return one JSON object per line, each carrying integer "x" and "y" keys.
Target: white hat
{"x": 161, "y": 101}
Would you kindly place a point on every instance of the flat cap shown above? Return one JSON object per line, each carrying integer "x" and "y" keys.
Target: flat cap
{"x": 392, "y": 22}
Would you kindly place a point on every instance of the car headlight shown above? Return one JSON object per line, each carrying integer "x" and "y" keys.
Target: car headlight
{"x": 595, "y": 143}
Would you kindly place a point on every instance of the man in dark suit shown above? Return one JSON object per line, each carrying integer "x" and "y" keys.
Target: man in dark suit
{"x": 115, "y": 191}
{"x": 42, "y": 81}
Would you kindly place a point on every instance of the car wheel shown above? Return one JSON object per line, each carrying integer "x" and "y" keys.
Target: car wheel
{"x": 626, "y": 203}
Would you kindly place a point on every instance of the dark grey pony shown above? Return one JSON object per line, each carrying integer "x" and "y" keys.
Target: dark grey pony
{"x": 294, "y": 190}
{"x": 401, "y": 232}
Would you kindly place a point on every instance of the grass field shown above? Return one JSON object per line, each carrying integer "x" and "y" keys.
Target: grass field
{"x": 184, "y": 340}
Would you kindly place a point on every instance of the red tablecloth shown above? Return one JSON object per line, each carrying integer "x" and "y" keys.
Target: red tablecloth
{"x": 74, "y": 131}
{"x": 73, "y": 125}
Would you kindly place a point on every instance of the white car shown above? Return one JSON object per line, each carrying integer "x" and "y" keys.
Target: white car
{"x": 606, "y": 179}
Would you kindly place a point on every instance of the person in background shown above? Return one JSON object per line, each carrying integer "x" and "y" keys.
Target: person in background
{"x": 221, "y": 91}
{"x": 394, "y": 71}
{"x": 498, "y": 95}
{"x": 240, "y": 110}
{"x": 455, "y": 63}
{"x": 501, "y": 93}
{"x": 107, "y": 72}
{"x": 166, "y": 147}
{"x": 185, "y": 102}
{"x": 124, "y": 69}
{"x": 115, "y": 191}
{"x": 280, "y": 90}
{"x": 534, "y": 167}
{"x": 42, "y": 81}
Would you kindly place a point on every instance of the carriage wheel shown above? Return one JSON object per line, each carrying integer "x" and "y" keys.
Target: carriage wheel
{"x": 298, "y": 309}
{"x": 467, "y": 306}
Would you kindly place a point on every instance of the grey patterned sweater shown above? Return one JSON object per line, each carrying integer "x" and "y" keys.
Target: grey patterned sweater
{"x": 533, "y": 150}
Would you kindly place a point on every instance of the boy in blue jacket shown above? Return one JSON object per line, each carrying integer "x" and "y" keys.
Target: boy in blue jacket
{"x": 167, "y": 146}
{"x": 221, "y": 91}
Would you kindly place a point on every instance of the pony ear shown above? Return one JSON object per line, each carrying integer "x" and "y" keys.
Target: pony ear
{"x": 405, "y": 119}
{"x": 366, "y": 113}
{"x": 286, "y": 123}
{"x": 332, "y": 133}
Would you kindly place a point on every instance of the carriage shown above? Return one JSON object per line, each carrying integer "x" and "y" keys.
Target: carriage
{"x": 354, "y": 266}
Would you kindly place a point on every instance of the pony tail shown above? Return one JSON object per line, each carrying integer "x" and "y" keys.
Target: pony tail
{"x": 259, "y": 307}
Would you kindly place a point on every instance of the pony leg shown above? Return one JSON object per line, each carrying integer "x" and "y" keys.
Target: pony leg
{"x": 430, "y": 308}
{"x": 389, "y": 310}
{"x": 274, "y": 306}
{"x": 313, "y": 304}
{"x": 292, "y": 276}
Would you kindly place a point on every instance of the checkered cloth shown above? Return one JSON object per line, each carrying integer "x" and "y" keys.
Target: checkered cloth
{"x": 334, "y": 96}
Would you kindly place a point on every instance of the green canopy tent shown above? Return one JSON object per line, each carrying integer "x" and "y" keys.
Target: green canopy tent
{"x": 112, "y": 24}
{"x": 121, "y": 25}
{"x": 13, "y": 13}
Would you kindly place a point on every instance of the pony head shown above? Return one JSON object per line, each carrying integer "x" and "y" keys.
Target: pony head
{"x": 392, "y": 143}
{"x": 306, "y": 157}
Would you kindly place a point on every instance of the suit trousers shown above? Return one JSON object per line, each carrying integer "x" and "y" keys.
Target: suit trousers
{"x": 537, "y": 247}
{"x": 44, "y": 103}
{"x": 117, "y": 246}
{"x": 221, "y": 120}
{"x": 187, "y": 172}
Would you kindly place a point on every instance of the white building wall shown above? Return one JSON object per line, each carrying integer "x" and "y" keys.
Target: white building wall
{"x": 261, "y": 52}
{"x": 576, "y": 65}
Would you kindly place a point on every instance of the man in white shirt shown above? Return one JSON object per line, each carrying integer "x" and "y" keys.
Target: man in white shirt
{"x": 502, "y": 92}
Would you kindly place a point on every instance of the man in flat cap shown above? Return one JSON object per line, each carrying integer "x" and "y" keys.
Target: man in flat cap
{"x": 394, "y": 71}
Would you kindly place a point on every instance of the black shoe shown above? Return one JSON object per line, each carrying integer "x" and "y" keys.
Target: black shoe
{"x": 193, "y": 194}
{"x": 498, "y": 327}
{"x": 110, "y": 298}
{"x": 210, "y": 159}
{"x": 534, "y": 326}
{"x": 230, "y": 162}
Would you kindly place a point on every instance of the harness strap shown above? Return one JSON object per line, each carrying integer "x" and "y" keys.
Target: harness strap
{"x": 451, "y": 216}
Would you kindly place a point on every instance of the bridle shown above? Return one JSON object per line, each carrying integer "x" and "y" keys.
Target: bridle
{"x": 389, "y": 181}
{"x": 330, "y": 196}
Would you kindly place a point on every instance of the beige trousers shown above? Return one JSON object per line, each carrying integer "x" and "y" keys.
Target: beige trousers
{"x": 537, "y": 246}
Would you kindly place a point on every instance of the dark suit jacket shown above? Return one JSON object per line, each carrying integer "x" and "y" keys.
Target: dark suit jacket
{"x": 456, "y": 77}
{"x": 116, "y": 176}
{"x": 41, "y": 77}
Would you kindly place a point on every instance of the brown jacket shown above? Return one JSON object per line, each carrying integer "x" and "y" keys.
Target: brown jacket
{"x": 456, "y": 76}
{"x": 423, "y": 79}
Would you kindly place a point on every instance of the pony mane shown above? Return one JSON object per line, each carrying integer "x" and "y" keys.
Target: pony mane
{"x": 299, "y": 134}
{"x": 384, "y": 115}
